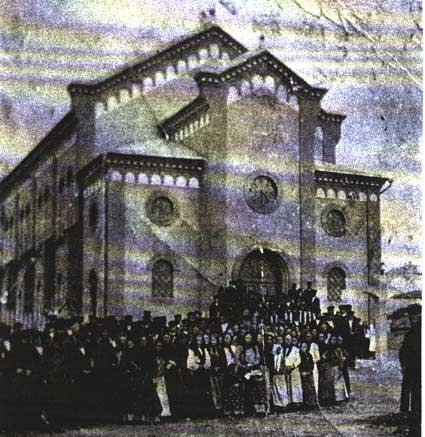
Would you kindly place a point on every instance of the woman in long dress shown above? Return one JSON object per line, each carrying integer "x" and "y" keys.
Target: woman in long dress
{"x": 293, "y": 377}
{"x": 199, "y": 365}
{"x": 337, "y": 357}
{"x": 233, "y": 385}
{"x": 159, "y": 380}
{"x": 306, "y": 370}
{"x": 255, "y": 386}
{"x": 326, "y": 392}
{"x": 345, "y": 372}
{"x": 313, "y": 349}
{"x": 216, "y": 375}
{"x": 280, "y": 390}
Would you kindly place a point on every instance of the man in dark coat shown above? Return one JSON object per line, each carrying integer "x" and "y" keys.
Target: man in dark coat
{"x": 410, "y": 361}
{"x": 294, "y": 293}
{"x": 308, "y": 293}
{"x": 215, "y": 309}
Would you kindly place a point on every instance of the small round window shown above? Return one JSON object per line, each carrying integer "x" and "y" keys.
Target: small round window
{"x": 334, "y": 223}
{"x": 161, "y": 211}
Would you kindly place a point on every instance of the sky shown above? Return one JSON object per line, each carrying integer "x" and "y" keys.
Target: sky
{"x": 368, "y": 53}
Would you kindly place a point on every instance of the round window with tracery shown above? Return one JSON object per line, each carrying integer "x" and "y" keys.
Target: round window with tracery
{"x": 261, "y": 194}
{"x": 161, "y": 211}
{"x": 334, "y": 223}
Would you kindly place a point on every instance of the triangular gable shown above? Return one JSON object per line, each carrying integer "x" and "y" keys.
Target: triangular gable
{"x": 181, "y": 51}
{"x": 262, "y": 62}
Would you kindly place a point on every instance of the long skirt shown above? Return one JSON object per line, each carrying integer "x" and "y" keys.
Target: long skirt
{"x": 341, "y": 393}
{"x": 280, "y": 391}
{"x": 161, "y": 390}
{"x": 309, "y": 391}
{"x": 268, "y": 383}
{"x": 216, "y": 381}
{"x": 296, "y": 387}
{"x": 326, "y": 385}
{"x": 233, "y": 394}
{"x": 146, "y": 398}
{"x": 199, "y": 399}
{"x": 255, "y": 395}
{"x": 175, "y": 391}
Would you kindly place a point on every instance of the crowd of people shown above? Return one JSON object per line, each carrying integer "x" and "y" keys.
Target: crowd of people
{"x": 252, "y": 354}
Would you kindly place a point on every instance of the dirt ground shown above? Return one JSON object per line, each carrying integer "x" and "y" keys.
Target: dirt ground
{"x": 371, "y": 411}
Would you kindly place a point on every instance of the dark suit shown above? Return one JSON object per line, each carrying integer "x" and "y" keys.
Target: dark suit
{"x": 410, "y": 361}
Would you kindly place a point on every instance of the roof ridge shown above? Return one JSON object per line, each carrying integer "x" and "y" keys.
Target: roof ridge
{"x": 159, "y": 57}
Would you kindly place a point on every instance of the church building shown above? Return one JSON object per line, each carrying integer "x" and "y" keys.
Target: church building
{"x": 202, "y": 164}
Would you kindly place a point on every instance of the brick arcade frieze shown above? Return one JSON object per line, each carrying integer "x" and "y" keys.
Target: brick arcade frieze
{"x": 143, "y": 170}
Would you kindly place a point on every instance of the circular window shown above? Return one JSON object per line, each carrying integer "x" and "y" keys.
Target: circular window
{"x": 334, "y": 223}
{"x": 161, "y": 211}
{"x": 261, "y": 194}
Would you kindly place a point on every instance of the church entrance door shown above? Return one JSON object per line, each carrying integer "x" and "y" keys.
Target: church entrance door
{"x": 264, "y": 271}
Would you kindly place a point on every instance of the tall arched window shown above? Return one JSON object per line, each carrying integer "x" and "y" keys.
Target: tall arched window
{"x": 336, "y": 284}
{"x": 162, "y": 279}
{"x": 318, "y": 144}
{"x": 93, "y": 292}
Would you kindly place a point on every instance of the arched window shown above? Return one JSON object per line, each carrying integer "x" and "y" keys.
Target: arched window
{"x": 162, "y": 279}
{"x": 93, "y": 217}
{"x": 336, "y": 284}
{"x": 93, "y": 292}
{"x": 318, "y": 144}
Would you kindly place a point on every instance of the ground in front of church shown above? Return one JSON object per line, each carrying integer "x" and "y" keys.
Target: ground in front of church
{"x": 372, "y": 411}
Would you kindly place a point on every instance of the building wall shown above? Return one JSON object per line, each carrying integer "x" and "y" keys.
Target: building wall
{"x": 262, "y": 139}
{"x": 93, "y": 252}
{"x": 348, "y": 252}
{"x": 135, "y": 243}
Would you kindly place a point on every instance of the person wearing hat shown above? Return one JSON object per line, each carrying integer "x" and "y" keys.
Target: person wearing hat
{"x": 215, "y": 309}
{"x": 309, "y": 293}
{"x": 328, "y": 317}
{"x": 294, "y": 293}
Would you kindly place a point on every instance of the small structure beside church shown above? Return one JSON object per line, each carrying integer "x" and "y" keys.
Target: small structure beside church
{"x": 202, "y": 164}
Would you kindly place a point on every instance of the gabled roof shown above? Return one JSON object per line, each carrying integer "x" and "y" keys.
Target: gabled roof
{"x": 47, "y": 145}
{"x": 262, "y": 59}
{"x": 194, "y": 42}
{"x": 194, "y": 108}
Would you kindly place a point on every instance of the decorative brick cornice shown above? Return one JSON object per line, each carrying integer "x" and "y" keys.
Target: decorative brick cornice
{"x": 185, "y": 47}
{"x": 327, "y": 116}
{"x": 188, "y": 114}
{"x": 137, "y": 163}
{"x": 48, "y": 145}
{"x": 329, "y": 178}
{"x": 266, "y": 61}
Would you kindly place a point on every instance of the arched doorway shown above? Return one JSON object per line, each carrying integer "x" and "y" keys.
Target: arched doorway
{"x": 265, "y": 272}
